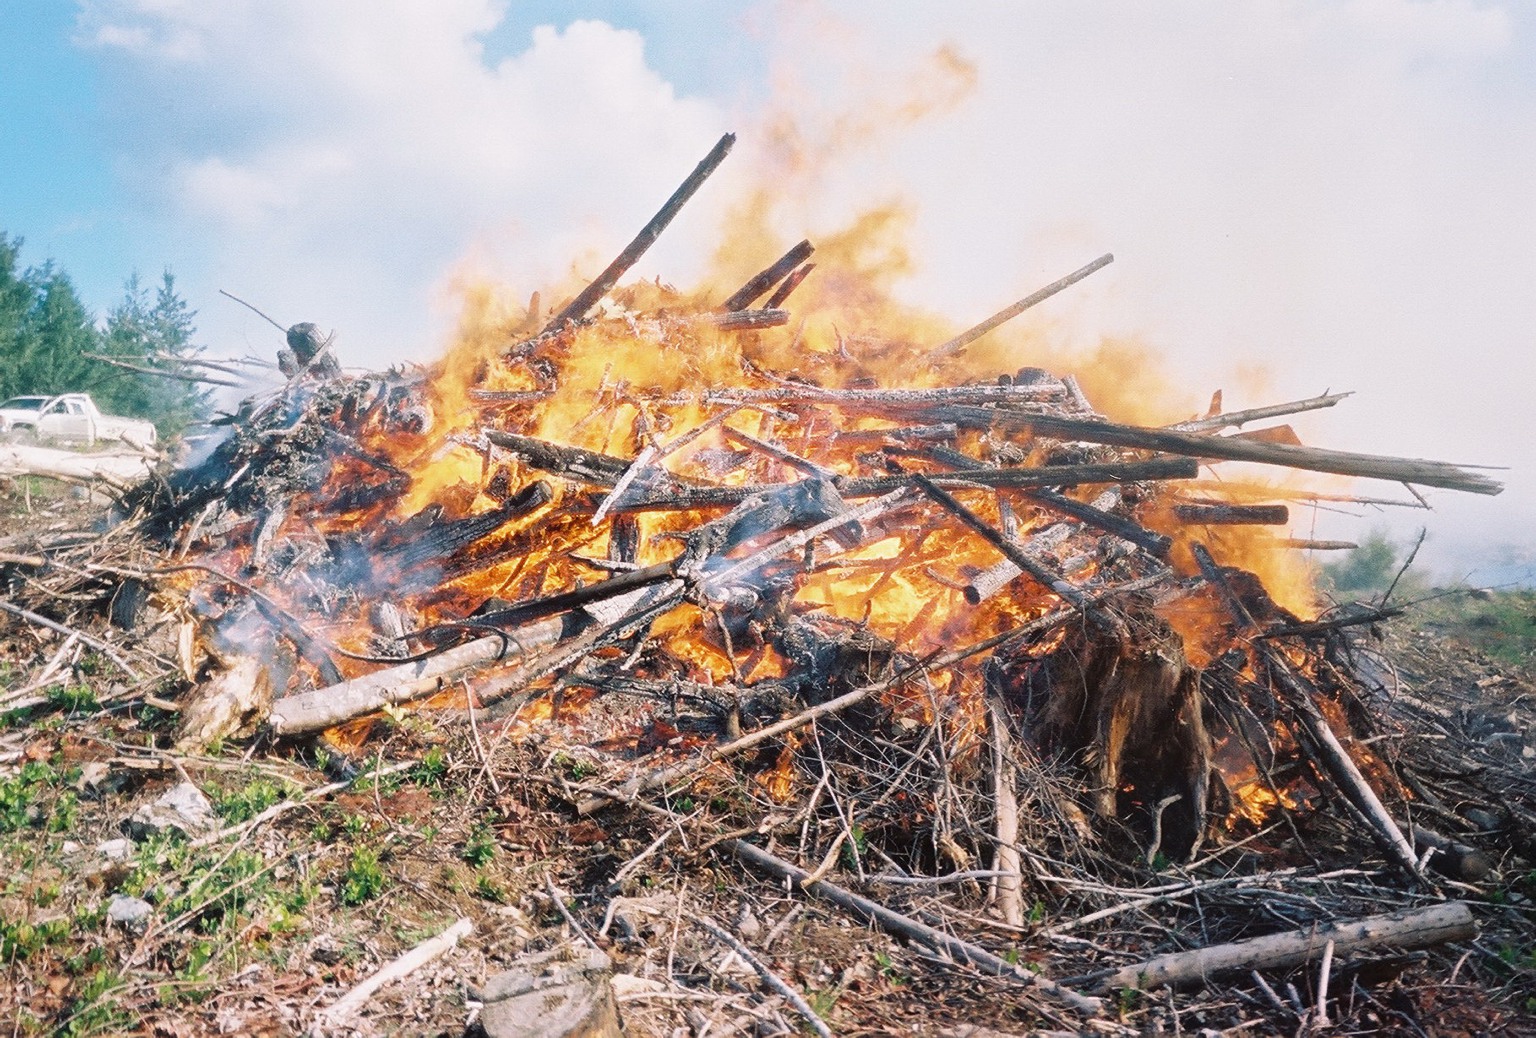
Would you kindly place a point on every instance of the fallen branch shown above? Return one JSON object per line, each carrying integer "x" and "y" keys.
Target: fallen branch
{"x": 1415, "y": 928}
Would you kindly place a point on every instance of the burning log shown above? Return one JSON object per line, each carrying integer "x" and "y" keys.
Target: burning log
{"x": 782, "y": 268}
{"x": 1414, "y": 928}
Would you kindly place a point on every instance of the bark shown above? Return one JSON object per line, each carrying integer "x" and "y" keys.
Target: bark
{"x": 1415, "y": 928}
{"x": 323, "y": 708}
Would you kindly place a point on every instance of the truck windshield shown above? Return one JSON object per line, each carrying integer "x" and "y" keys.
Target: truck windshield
{"x": 24, "y": 403}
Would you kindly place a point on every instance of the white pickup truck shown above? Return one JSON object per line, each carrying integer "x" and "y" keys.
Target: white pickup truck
{"x": 71, "y": 417}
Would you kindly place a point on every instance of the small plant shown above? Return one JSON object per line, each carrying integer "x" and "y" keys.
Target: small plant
{"x": 432, "y": 767}
{"x": 72, "y": 699}
{"x": 363, "y": 879}
{"x": 488, "y": 889}
{"x": 480, "y": 848}
{"x": 250, "y": 800}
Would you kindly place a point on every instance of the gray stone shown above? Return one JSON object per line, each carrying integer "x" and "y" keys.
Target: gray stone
{"x": 119, "y": 849}
{"x": 182, "y": 808}
{"x": 131, "y": 913}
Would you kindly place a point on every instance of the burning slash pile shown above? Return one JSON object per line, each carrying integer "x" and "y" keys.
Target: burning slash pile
{"x": 968, "y": 646}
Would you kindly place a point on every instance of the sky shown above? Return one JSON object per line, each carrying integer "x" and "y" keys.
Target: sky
{"x": 1300, "y": 194}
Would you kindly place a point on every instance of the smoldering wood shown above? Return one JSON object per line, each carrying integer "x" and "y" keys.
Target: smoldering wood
{"x": 765, "y": 279}
{"x": 1308, "y": 544}
{"x": 419, "y": 543}
{"x": 1235, "y": 419}
{"x": 1213, "y": 513}
{"x": 577, "y": 308}
{"x": 1412, "y": 928}
{"x": 788, "y": 286}
{"x": 1008, "y": 313}
{"x": 1322, "y": 741}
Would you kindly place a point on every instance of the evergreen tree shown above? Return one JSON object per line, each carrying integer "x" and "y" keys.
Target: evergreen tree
{"x": 57, "y": 334}
{"x": 15, "y": 304}
{"x": 157, "y": 336}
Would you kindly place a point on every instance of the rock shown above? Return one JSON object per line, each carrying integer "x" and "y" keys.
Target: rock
{"x": 562, "y": 993}
{"x": 131, "y": 913}
{"x": 182, "y": 808}
{"x": 119, "y": 849}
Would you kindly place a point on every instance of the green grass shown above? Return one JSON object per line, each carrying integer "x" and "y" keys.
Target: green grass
{"x": 1500, "y": 623}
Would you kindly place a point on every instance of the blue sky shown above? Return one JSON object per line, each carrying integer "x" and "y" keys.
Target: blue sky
{"x": 1301, "y": 194}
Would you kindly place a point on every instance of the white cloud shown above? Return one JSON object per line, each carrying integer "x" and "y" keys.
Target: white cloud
{"x": 333, "y": 161}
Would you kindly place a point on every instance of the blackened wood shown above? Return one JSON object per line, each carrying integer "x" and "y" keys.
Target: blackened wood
{"x": 1008, "y": 313}
{"x": 565, "y": 601}
{"x": 1154, "y": 543}
{"x": 576, "y": 462}
{"x": 578, "y": 307}
{"x": 441, "y": 539}
{"x": 1103, "y": 618}
{"x": 789, "y": 284}
{"x": 761, "y": 282}
{"x": 1325, "y": 745}
{"x": 1308, "y": 544}
{"x": 1220, "y": 514}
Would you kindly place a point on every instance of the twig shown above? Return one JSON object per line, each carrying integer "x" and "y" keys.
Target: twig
{"x": 1008, "y": 313}
{"x": 53, "y": 625}
{"x": 558, "y": 896}
{"x": 769, "y": 978}
{"x": 253, "y": 310}
{"x": 403, "y": 966}
{"x": 1320, "y": 1013}
{"x": 896, "y": 923}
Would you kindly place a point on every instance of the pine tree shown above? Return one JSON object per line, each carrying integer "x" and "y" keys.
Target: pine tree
{"x": 15, "y": 302}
